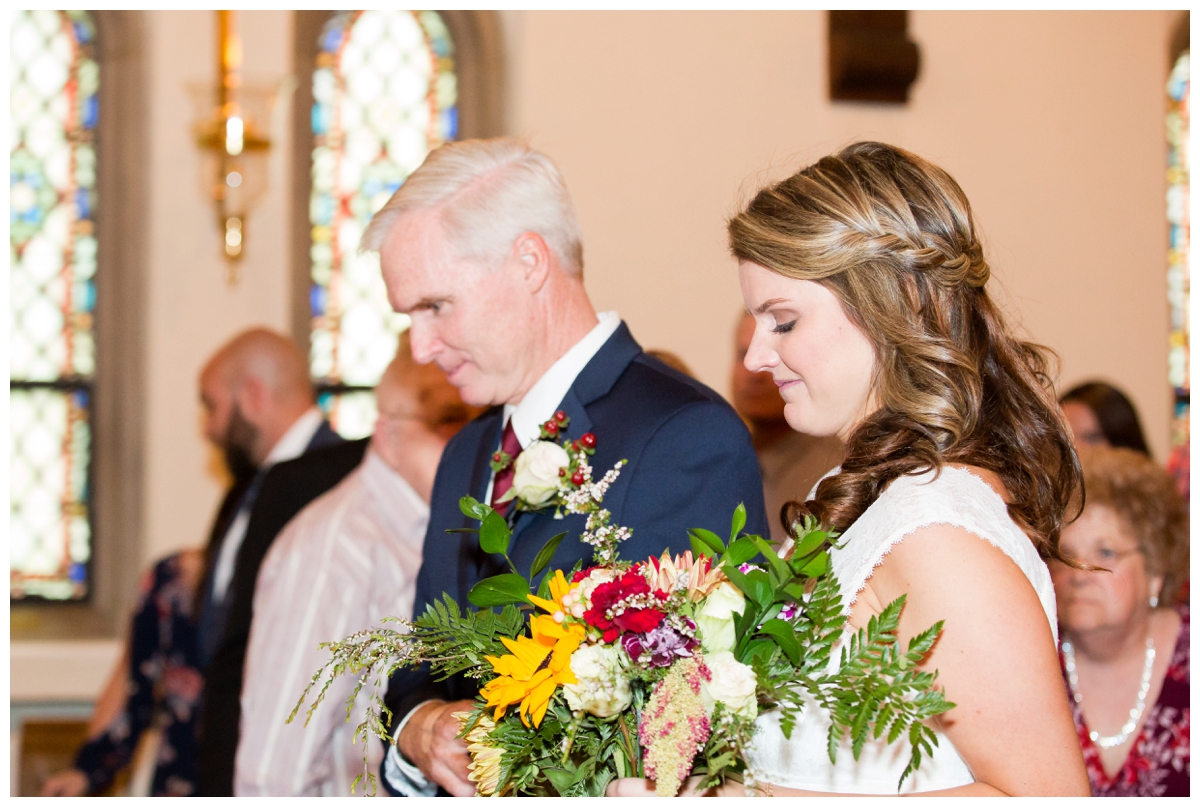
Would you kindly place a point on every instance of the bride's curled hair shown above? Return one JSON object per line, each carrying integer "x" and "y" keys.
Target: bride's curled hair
{"x": 891, "y": 235}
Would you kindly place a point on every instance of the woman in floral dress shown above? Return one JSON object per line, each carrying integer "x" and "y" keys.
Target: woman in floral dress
{"x": 163, "y": 689}
{"x": 1124, "y": 636}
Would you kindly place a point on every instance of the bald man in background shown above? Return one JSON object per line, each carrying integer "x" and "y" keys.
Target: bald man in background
{"x": 346, "y": 561}
{"x": 260, "y": 411}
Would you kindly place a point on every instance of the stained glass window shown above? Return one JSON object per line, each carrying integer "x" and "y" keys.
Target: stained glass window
{"x": 54, "y": 81}
{"x": 384, "y": 95}
{"x": 1178, "y": 262}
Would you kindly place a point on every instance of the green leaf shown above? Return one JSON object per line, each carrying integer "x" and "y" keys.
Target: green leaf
{"x": 503, "y": 589}
{"x": 758, "y": 588}
{"x": 709, "y": 537}
{"x": 809, "y": 543}
{"x": 494, "y": 534}
{"x": 739, "y": 552}
{"x": 545, "y": 554}
{"x": 473, "y": 509}
{"x": 781, "y": 569}
{"x": 700, "y": 548}
{"x": 739, "y": 521}
{"x": 559, "y": 778}
{"x": 784, "y": 636}
{"x": 544, "y": 587}
{"x": 817, "y": 566}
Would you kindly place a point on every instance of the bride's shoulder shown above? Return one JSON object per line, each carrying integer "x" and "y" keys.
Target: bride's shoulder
{"x": 952, "y": 484}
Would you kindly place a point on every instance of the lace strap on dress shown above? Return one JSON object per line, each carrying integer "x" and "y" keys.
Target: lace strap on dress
{"x": 953, "y": 496}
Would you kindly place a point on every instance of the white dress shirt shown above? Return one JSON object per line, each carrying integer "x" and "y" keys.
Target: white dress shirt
{"x": 288, "y": 447}
{"x": 346, "y": 561}
{"x": 538, "y": 406}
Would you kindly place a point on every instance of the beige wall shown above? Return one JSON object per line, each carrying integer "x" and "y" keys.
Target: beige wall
{"x": 191, "y": 309}
{"x": 661, "y": 122}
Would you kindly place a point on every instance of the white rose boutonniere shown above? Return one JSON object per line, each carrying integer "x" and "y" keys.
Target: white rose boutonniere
{"x": 733, "y": 684}
{"x": 550, "y": 473}
{"x": 536, "y": 477}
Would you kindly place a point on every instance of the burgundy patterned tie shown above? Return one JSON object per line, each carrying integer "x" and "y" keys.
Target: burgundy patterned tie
{"x": 511, "y": 446}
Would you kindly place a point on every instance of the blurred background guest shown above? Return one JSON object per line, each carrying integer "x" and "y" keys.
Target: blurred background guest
{"x": 156, "y": 685}
{"x": 348, "y": 560}
{"x": 1101, "y": 415}
{"x": 791, "y": 462}
{"x": 1125, "y": 637}
{"x": 270, "y": 414}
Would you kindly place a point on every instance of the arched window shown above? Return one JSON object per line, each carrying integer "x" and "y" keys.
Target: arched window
{"x": 387, "y": 87}
{"x": 1179, "y": 255}
{"x": 54, "y": 88}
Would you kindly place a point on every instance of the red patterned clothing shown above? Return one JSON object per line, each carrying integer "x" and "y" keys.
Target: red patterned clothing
{"x": 1160, "y": 762}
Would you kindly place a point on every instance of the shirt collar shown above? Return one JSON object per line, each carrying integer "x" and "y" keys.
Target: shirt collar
{"x": 544, "y": 397}
{"x": 296, "y": 439}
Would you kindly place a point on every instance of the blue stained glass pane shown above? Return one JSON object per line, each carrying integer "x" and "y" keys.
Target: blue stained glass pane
{"x": 83, "y": 203}
{"x": 77, "y": 573}
{"x": 332, "y": 40}
{"x": 91, "y": 111}
{"x": 89, "y": 297}
{"x": 81, "y": 398}
{"x": 316, "y": 300}
{"x": 82, "y": 33}
{"x": 450, "y": 123}
{"x": 320, "y": 119}
{"x": 324, "y": 211}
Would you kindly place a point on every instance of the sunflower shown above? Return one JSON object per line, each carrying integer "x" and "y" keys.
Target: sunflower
{"x": 485, "y": 758}
{"x": 538, "y": 666}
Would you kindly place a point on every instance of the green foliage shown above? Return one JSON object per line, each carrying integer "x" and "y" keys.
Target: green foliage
{"x": 501, "y": 589}
{"x": 545, "y": 554}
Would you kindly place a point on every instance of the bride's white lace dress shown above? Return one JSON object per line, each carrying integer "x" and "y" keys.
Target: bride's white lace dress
{"x": 955, "y": 497}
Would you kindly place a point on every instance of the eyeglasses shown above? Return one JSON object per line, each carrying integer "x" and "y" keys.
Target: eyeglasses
{"x": 1101, "y": 556}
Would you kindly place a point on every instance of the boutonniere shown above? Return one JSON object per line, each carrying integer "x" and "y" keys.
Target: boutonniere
{"x": 550, "y": 469}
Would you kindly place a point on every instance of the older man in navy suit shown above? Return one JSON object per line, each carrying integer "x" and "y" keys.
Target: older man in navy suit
{"x": 481, "y": 247}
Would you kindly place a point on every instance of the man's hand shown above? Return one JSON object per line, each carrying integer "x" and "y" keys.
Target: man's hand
{"x": 429, "y": 742}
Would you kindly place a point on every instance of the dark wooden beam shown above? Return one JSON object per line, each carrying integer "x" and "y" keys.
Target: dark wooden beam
{"x": 871, "y": 57}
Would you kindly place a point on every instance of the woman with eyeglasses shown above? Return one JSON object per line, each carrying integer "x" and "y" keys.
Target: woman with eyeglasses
{"x": 1124, "y": 638}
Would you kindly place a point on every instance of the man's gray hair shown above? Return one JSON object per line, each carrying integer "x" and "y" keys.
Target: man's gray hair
{"x": 488, "y": 193}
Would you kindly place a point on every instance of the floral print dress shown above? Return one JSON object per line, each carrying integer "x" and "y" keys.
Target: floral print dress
{"x": 164, "y": 689}
{"x": 1160, "y": 762}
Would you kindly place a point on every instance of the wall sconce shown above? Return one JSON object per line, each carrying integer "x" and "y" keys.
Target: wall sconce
{"x": 231, "y": 131}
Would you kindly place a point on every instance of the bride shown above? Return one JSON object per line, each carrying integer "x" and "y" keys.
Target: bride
{"x": 866, "y": 280}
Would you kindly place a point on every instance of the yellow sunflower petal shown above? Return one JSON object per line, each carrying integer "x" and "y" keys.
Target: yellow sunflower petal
{"x": 545, "y": 605}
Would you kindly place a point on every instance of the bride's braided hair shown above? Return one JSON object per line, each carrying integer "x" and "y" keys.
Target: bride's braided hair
{"x": 891, "y": 235}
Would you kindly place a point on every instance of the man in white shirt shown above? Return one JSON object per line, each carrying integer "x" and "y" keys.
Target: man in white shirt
{"x": 481, "y": 246}
{"x": 260, "y": 411}
{"x": 346, "y": 561}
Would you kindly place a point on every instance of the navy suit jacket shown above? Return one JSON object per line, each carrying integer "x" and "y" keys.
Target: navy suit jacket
{"x": 690, "y": 463}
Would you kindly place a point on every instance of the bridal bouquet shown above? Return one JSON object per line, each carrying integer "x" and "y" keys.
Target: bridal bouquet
{"x": 655, "y": 668}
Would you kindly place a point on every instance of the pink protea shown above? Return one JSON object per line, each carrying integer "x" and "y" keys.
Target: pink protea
{"x": 698, "y": 576}
{"x": 675, "y": 725}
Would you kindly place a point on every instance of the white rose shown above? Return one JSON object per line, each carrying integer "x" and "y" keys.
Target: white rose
{"x": 733, "y": 684}
{"x": 715, "y": 616}
{"x": 536, "y": 478}
{"x": 602, "y": 688}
